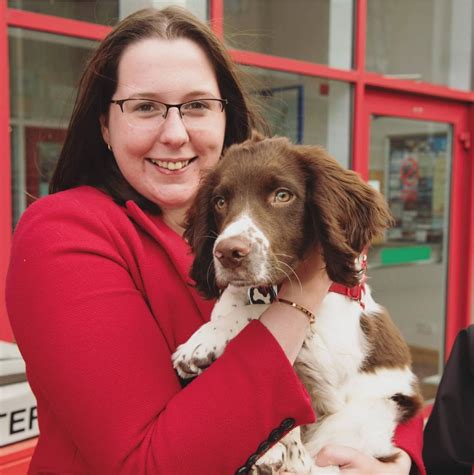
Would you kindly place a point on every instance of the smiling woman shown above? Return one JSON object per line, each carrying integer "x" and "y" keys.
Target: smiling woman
{"x": 118, "y": 300}
{"x": 164, "y": 163}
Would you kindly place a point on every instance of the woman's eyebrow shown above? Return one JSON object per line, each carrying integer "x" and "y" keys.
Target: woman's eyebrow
{"x": 188, "y": 96}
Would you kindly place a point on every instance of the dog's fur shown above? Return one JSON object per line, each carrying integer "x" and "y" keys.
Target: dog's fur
{"x": 256, "y": 215}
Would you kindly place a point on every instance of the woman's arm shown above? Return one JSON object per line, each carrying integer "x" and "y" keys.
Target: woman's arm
{"x": 287, "y": 324}
{"x": 101, "y": 368}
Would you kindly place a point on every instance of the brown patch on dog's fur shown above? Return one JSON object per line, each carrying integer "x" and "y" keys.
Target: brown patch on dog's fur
{"x": 408, "y": 406}
{"x": 335, "y": 207}
{"x": 387, "y": 349}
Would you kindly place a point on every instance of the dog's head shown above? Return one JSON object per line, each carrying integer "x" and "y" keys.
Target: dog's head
{"x": 267, "y": 203}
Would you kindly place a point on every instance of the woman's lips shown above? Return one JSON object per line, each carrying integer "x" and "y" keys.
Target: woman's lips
{"x": 171, "y": 165}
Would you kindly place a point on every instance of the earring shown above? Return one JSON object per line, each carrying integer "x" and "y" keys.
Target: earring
{"x": 109, "y": 147}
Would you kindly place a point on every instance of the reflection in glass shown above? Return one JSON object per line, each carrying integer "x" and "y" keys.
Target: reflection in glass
{"x": 319, "y": 31}
{"x": 422, "y": 40}
{"x": 410, "y": 164}
{"x": 105, "y": 12}
{"x": 306, "y": 109}
{"x": 198, "y": 8}
{"x": 44, "y": 72}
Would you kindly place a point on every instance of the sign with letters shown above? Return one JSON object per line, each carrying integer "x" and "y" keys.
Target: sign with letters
{"x": 18, "y": 416}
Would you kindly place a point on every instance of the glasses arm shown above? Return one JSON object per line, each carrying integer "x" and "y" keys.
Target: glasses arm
{"x": 119, "y": 103}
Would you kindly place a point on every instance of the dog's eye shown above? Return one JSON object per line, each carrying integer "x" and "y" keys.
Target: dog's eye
{"x": 219, "y": 202}
{"x": 283, "y": 195}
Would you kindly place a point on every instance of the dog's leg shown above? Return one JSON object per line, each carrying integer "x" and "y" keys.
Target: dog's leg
{"x": 290, "y": 455}
{"x": 365, "y": 425}
{"x": 298, "y": 459}
{"x": 272, "y": 461}
{"x": 229, "y": 317}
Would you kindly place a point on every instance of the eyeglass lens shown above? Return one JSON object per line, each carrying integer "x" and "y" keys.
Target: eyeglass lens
{"x": 145, "y": 113}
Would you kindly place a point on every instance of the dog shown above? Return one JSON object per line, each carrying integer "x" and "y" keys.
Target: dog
{"x": 255, "y": 217}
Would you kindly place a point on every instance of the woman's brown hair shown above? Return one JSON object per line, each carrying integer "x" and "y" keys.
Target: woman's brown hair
{"x": 84, "y": 158}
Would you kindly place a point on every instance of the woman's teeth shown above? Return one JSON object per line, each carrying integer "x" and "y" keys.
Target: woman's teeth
{"x": 171, "y": 165}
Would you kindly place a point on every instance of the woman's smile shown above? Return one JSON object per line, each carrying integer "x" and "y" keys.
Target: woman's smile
{"x": 164, "y": 160}
{"x": 171, "y": 166}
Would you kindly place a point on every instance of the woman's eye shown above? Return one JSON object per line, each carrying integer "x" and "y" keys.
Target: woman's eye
{"x": 283, "y": 196}
{"x": 195, "y": 108}
{"x": 219, "y": 202}
{"x": 144, "y": 107}
{"x": 197, "y": 105}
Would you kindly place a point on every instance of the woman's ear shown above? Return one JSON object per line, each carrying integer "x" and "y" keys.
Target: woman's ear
{"x": 201, "y": 233}
{"x": 104, "y": 128}
{"x": 346, "y": 212}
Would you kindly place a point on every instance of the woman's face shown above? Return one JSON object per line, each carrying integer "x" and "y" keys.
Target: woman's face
{"x": 173, "y": 72}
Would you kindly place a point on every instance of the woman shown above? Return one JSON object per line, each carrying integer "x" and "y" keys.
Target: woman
{"x": 98, "y": 290}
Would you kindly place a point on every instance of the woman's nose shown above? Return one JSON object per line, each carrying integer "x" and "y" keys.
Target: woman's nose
{"x": 173, "y": 132}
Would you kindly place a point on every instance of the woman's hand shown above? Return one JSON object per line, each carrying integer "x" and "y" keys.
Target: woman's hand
{"x": 354, "y": 462}
{"x": 289, "y": 325}
{"x": 310, "y": 284}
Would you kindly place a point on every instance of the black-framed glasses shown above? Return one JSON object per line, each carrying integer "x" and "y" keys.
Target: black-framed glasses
{"x": 148, "y": 113}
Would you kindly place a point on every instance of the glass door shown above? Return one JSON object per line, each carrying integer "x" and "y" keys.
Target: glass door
{"x": 418, "y": 159}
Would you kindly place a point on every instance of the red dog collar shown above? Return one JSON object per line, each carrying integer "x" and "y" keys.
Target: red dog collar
{"x": 354, "y": 293}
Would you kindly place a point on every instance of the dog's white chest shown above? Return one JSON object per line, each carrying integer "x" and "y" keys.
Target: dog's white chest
{"x": 333, "y": 353}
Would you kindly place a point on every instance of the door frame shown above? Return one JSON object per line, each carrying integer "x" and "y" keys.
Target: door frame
{"x": 461, "y": 213}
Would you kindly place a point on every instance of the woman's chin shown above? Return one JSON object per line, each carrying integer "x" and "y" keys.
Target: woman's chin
{"x": 174, "y": 199}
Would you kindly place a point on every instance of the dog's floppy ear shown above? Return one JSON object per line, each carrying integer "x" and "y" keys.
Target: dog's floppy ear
{"x": 256, "y": 136}
{"x": 346, "y": 212}
{"x": 201, "y": 233}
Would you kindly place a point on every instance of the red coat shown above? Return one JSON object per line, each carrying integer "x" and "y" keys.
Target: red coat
{"x": 99, "y": 298}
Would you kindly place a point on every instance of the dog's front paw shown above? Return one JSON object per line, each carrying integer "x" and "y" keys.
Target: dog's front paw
{"x": 199, "y": 352}
{"x": 271, "y": 462}
{"x": 298, "y": 459}
{"x": 190, "y": 361}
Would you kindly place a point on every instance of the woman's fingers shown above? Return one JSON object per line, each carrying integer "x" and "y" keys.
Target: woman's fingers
{"x": 339, "y": 455}
{"x": 355, "y": 462}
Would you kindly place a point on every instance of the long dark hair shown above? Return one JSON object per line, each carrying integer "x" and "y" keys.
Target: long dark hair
{"x": 85, "y": 158}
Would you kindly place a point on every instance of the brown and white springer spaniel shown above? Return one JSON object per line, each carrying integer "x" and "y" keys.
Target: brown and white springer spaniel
{"x": 265, "y": 205}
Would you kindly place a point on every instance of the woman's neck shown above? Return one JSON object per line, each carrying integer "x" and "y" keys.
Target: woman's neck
{"x": 175, "y": 219}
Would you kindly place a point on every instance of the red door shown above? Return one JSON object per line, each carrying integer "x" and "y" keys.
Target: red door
{"x": 417, "y": 152}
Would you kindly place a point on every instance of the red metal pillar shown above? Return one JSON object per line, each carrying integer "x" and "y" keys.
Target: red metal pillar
{"x": 5, "y": 170}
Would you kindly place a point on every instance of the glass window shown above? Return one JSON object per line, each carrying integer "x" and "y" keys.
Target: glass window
{"x": 94, "y": 11}
{"x": 319, "y": 31}
{"x": 306, "y": 109}
{"x": 423, "y": 40}
{"x": 410, "y": 162}
{"x": 105, "y": 12}
{"x": 44, "y": 71}
{"x": 199, "y": 8}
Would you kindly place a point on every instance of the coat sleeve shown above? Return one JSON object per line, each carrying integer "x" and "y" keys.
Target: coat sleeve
{"x": 101, "y": 368}
{"x": 449, "y": 433}
{"x": 409, "y": 437}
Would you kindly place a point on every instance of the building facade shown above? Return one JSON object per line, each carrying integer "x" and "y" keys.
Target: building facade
{"x": 387, "y": 87}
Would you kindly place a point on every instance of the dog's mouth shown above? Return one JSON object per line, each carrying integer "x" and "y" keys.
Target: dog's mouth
{"x": 256, "y": 269}
{"x": 247, "y": 283}
{"x": 272, "y": 278}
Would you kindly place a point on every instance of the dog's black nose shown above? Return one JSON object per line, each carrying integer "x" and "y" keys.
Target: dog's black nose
{"x": 232, "y": 251}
